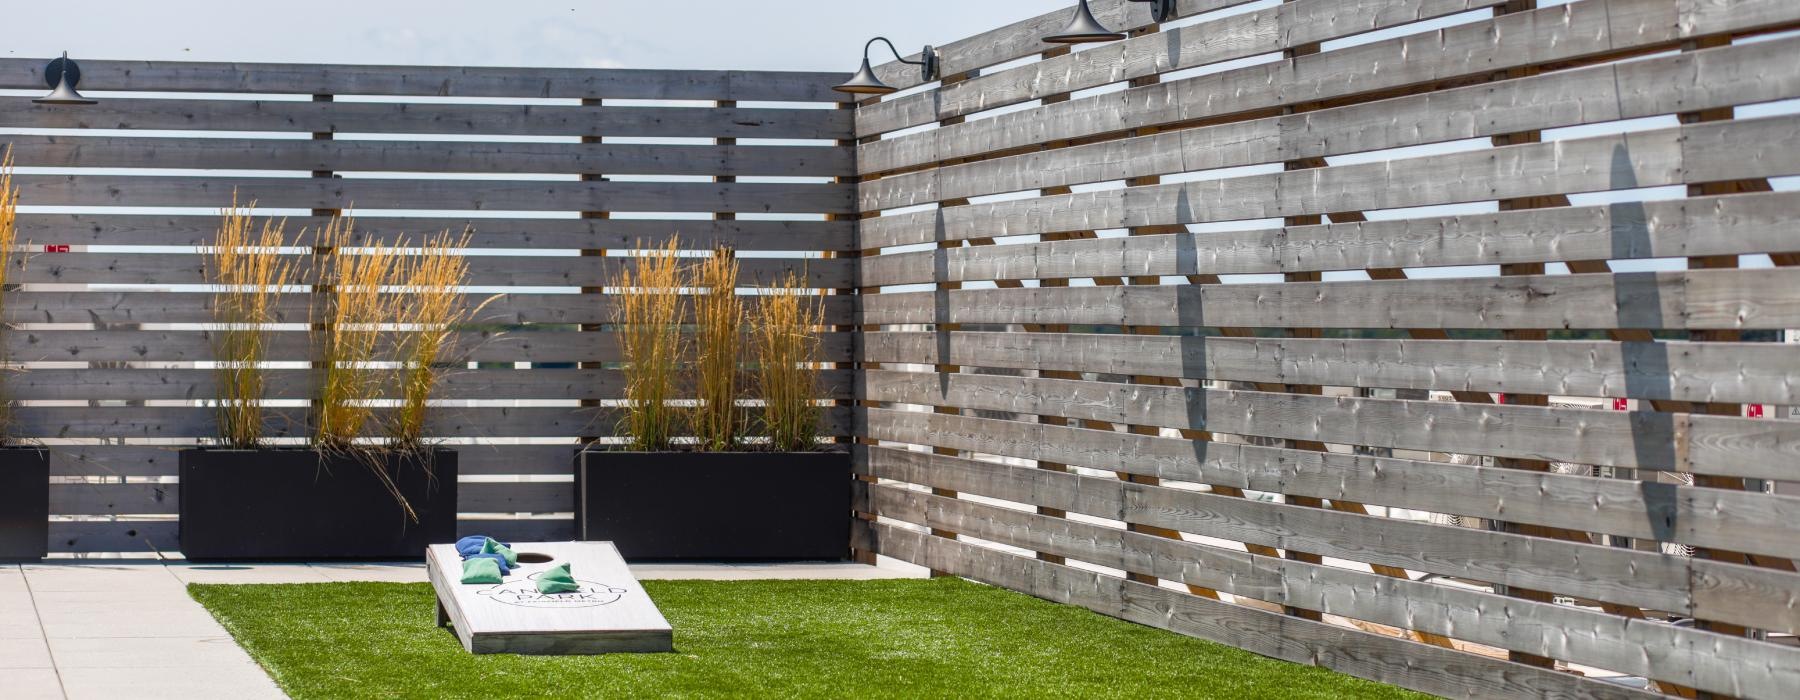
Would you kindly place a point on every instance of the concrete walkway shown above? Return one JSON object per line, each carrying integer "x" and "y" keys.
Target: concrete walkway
{"x": 127, "y": 628}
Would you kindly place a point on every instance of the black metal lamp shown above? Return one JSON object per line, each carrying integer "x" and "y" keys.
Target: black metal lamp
{"x": 62, "y": 75}
{"x": 1084, "y": 29}
{"x": 865, "y": 82}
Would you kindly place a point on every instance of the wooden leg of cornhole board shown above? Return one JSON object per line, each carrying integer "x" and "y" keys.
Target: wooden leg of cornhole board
{"x": 443, "y": 617}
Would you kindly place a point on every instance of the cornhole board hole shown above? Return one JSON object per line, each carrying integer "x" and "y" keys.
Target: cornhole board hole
{"x": 610, "y": 614}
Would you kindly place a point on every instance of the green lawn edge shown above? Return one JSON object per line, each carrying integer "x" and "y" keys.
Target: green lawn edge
{"x": 802, "y": 639}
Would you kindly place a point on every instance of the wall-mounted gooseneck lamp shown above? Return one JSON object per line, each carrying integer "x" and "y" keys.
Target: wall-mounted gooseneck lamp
{"x": 1084, "y": 29}
{"x": 62, "y": 74}
{"x": 865, "y": 82}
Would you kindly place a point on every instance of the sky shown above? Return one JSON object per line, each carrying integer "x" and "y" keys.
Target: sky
{"x": 819, "y": 35}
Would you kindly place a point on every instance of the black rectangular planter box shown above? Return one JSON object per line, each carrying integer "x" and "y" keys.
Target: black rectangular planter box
{"x": 716, "y": 506}
{"x": 291, "y": 504}
{"x": 24, "y": 504}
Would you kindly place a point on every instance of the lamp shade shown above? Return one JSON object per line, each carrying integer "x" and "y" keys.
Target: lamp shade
{"x": 62, "y": 75}
{"x": 1083, "y": 29}
{"x": 865, "y": 82}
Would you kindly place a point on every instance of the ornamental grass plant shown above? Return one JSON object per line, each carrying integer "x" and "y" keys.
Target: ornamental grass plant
{"x": 718, "y": 421}
{"x": 651, "y": 341}
{"x": 249, "y": 274}
{"x": 785, "y": 348}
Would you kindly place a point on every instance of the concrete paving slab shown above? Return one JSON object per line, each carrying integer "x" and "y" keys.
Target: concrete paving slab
{"x": 168, "y": 683}
{"x": 24, "y": 653}
{"x": 33, "y": 684}
{"x": 208, "y": 652}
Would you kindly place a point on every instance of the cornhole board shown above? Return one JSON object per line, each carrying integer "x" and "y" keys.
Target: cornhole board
{"x": 610, "y": 614}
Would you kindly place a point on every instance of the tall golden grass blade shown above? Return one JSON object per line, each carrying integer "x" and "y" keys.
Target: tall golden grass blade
{"x": 785, "y": 343}
{"x": 718, "y": 348}
{"x": 9, "y": 246}
{"x": 249, "y": 275}
{"x": 651, "y": 341}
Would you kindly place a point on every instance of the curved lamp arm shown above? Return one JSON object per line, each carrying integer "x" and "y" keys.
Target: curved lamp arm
{"x": 928, "y": 63}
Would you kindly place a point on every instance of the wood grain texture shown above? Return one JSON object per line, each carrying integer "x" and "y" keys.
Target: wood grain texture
{"x": 1732, "y": 665}
{"x": 494, "y": 195}
{"x": 1238, "y": 36}
{"x": 1731, "y": 299}
{"x": 115, "y": 307}
{"x": 1719, "y": 77}
{"x": 434, "y": 81}
{"x": 1705, "y": 444}
{"x": 133, "y": 113}
{"x": 1710, "y": 152}
{"x": 535, "y": 234}
{"x": 1704, "y": 226}
{"x": 1364, "y": 654}
{"x": 62, "y": 151}
{"x": 1660, "y": 512}
{"x": 1680, "y": 371}
{"x": 1648, "y": 579}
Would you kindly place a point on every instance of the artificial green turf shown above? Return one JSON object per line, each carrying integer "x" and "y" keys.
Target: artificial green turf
{"x": 912, "y": 638}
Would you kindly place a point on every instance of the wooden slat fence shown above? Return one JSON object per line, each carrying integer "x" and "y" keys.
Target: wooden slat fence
{"x": 1437, "y": 356}
{"x": 552, "y": 168}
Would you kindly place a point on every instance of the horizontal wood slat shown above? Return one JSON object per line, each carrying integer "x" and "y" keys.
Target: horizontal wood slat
{"x": 1594, "y": 572}
{"x": 374, "y": 194}
{"x": 1699, "y": 153}
{"x": 1580, "y": 30}
{"x": 1749, "y": 668}
{"x": 483, "y": 270}
{"x": 456, "y": 119}
{"x": 434, "y": 81}
{"x": 152, "y": 346}
{"x": 1704, "y": 444}
{"x": 1702, "y": 226}
{"x": 109, "y": 307}
{"x": 1365, "y": 654}
{"x": 1238, "y": 36}
{"x": 1679, "y": 371}
{"x": 1712, "y": 78}
{"x": 1734, "y": 299}
{"x": 426, "y": 156}
{"x": 535, "y": 234}
{"x": 1645, "y": 510}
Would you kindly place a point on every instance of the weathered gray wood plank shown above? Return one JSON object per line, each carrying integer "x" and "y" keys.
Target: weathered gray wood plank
{"x": 435, "y": 81}
{"x": 385, "y": 118}
{"x": 1647, "y": 579}
{"x": 1365, "y": 654}
{"x": 565, "y": 270}
{"x": 1735, "y": 665}
{"x": 1703, "y": 517}
{"x": 1024, "y": 38}
{"x": 1550, "y": 35}
{"x": 1711, "y": 78}
{"x": 535, "y": 234}
{"x": 111, "y": 307}
{"x": 499, "y": 195}
{"x": 294, "y": 345}
{"x": 1704, "y": 444}
{"x": 1680, "y": 371}
{"x": 1695, "y": 299}
{"x": 1712, "y": 152}
{"x": 1702, "y": 226}
{"x": 1238, "y": 36}
{"x": 77, "y": 151}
